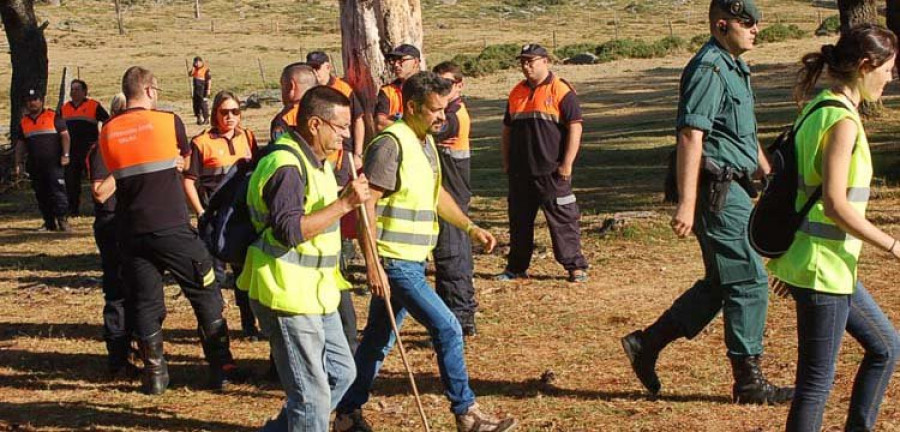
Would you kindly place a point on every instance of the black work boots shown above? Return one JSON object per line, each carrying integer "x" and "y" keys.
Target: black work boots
{"x": 216, "y": 348}
{"x": 643, "y": 346}
{"x": 155, "y": 377}
{"x": 752, "y": 388}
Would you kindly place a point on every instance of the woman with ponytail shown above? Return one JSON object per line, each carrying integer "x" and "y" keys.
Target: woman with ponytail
{"x": 820, "y": 269}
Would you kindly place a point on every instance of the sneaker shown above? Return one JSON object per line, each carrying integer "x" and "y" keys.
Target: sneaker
{"x": 352, "y": 422}
{"x": 577, "y": 276}
{"x": 475, "y": 420}
{"x": 508, "y": 276}
{"x": 63, "y": 224}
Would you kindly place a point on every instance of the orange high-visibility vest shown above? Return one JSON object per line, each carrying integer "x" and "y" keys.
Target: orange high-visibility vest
{"x": 219, "y": 154}
{"x": 86, "y": 112}
{"x": 540, "y": 103}
{"x": 394, "y": 93}
{"x": 341, "y": 86}
{"x": 44, "y": 124}
{"x": 460, "y": 149}
{"x": 139, "y": 142}
{"x": 199, "y": 73}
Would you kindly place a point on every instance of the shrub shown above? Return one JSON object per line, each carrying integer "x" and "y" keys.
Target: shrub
{"x": 779, "y": 32}
{"x": 491, "y": 59}
{"x": 698, "y": 41}
{"x": 829, "y": 26}
{"x": 575, "y": 49}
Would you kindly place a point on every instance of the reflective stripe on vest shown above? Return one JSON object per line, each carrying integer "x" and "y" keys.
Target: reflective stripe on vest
{"x": 407, "y": 224}
{"x": 139, "y": 142}
{"x": 86, "y": 111}
{"x": 43, "y": 124}
{"x": 823, "y": 257}
{"x": 304, "y": 279}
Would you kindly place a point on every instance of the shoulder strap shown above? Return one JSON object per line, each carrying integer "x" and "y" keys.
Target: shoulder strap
{"x": 811, "y": 201}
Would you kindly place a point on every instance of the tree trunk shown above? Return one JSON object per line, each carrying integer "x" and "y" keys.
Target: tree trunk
{"x": 369, "y": 29}
{"x": 119, "y": 21}
{"x": 855, "y": 12}
{"x": 28, "y": 52}
{"x": 893, "y": 16}
{"x": 196, "y": 9}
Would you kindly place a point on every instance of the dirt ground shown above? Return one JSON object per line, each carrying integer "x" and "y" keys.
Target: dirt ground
{"x": 547, "y": 351}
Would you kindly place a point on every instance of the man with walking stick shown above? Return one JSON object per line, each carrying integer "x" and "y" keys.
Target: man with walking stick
{"x": 404, "y": 175}
{"x": 291, "y": 271}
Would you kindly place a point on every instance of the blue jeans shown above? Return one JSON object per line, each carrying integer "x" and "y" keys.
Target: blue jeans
{"x": 410, "y": 293}
{"x": 821, "y": 321}
{"x": 314, "y": 364}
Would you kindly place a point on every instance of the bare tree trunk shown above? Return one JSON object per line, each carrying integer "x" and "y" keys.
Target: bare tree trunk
{"x": 196, "y": 9}
{"x": 28, "y": 52}
{"x": 369, "y": 29}
{"x": 855, "y": 12}
{"x": 119, "y": 21}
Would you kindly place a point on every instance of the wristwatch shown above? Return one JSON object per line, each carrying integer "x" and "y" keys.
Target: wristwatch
{"x": 66, "y": 155}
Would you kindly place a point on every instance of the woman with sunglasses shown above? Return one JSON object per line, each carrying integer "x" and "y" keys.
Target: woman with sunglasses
{"x": 213, "y": 152}
{"x": 820, "y": 268}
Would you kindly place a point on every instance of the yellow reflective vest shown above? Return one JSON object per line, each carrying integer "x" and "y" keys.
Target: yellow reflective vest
{"x": 304, "y": 279}
{"x": 823, "y": 257}
{"x": 407, "y": 222}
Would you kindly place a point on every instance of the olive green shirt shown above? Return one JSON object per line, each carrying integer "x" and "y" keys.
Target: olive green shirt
{"x": 715, "y": 97}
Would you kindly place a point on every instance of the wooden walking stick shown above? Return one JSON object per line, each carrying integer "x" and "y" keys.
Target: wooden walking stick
{"x": 370, "y": 242}
{"x": 190, "y": 78}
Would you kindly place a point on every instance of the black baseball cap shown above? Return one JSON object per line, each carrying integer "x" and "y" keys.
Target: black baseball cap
{"x": 404, "y": 51}
{"x": 317, "y": 58}
{"x": 32, "y": 94}
{"x": 533, "y": 50}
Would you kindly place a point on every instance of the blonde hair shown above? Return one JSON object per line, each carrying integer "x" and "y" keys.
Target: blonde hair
{"x": 117, "y": 104}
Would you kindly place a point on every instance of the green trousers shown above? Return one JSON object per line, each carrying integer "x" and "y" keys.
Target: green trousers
{"x": 735, "y": 282}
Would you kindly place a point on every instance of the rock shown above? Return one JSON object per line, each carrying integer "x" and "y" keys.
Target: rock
{"x": 581, "y": 59}
{"x": 449, "y": 2}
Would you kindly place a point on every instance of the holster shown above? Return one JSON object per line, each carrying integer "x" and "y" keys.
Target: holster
{"x": 719, "y": 179}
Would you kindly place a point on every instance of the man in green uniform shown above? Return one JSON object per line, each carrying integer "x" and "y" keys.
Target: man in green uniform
{"x": 718, "y": 155}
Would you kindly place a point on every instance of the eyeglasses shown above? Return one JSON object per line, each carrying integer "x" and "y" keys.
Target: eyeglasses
{"x": 399, "y": 60}
{"x": 525, "y": 61}
{"x": 747, "y": 22}
{"x": 157, "y": 89}
{"x": 234, "y": 111}
{"x": 336, "y": 128}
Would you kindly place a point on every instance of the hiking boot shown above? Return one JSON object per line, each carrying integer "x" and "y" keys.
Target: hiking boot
{"x": 643, "y": 360}
{"x": 216, "y": 348}
{"x": 48, "y": 226}
{"x": 508, "y": 276}
{"x": 475, "y": 420}
{"x": 155, "y": 377}
{"x": 752, "y": 388}
{"x": 62, "y": 224}
{"x": 577, "y": 276}
{"x": 352, "y": 422}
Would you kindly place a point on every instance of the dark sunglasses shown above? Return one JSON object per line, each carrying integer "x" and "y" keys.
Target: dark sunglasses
{"x": 234, "y": 111}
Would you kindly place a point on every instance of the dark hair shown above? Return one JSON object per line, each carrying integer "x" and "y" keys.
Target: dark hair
{"x": 218, "y": 100}
{"x": 448, "y": 67}
{"x": 863, "y": 42}
{"x": 134, "y": 82}
{"x": 300, "y": 72}
{"x": 79, "y": 82}
{"x": 320, "y": 101}
{"x": 419, "y": 86}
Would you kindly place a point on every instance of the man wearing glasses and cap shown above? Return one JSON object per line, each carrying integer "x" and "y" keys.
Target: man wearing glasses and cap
{"x": 43, "y": 136}
{"x": 541, "y": 136}
{"x": 404, "y": 62}
{"x": 717, "y": 154}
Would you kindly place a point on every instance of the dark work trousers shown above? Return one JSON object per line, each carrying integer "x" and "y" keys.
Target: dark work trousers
{"x": 116, "y": 327}
{"x": 348, "y": 319}
{"x": 181, "y": 252}
{"x": 241, "y": 298}
{"x": 554, "y": 196}
{"x": 201, "y": 106}
{"x": 49, "y": 184}
{"x": 453, "y": 253}
{"x": 74, "y": 173}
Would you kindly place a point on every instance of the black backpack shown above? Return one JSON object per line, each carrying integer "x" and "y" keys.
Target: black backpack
{"x": 775, "y": 219}
{"x": 225, "y": 227}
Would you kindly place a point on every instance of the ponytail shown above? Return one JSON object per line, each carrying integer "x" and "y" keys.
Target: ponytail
{"x": 813, "y": 64}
